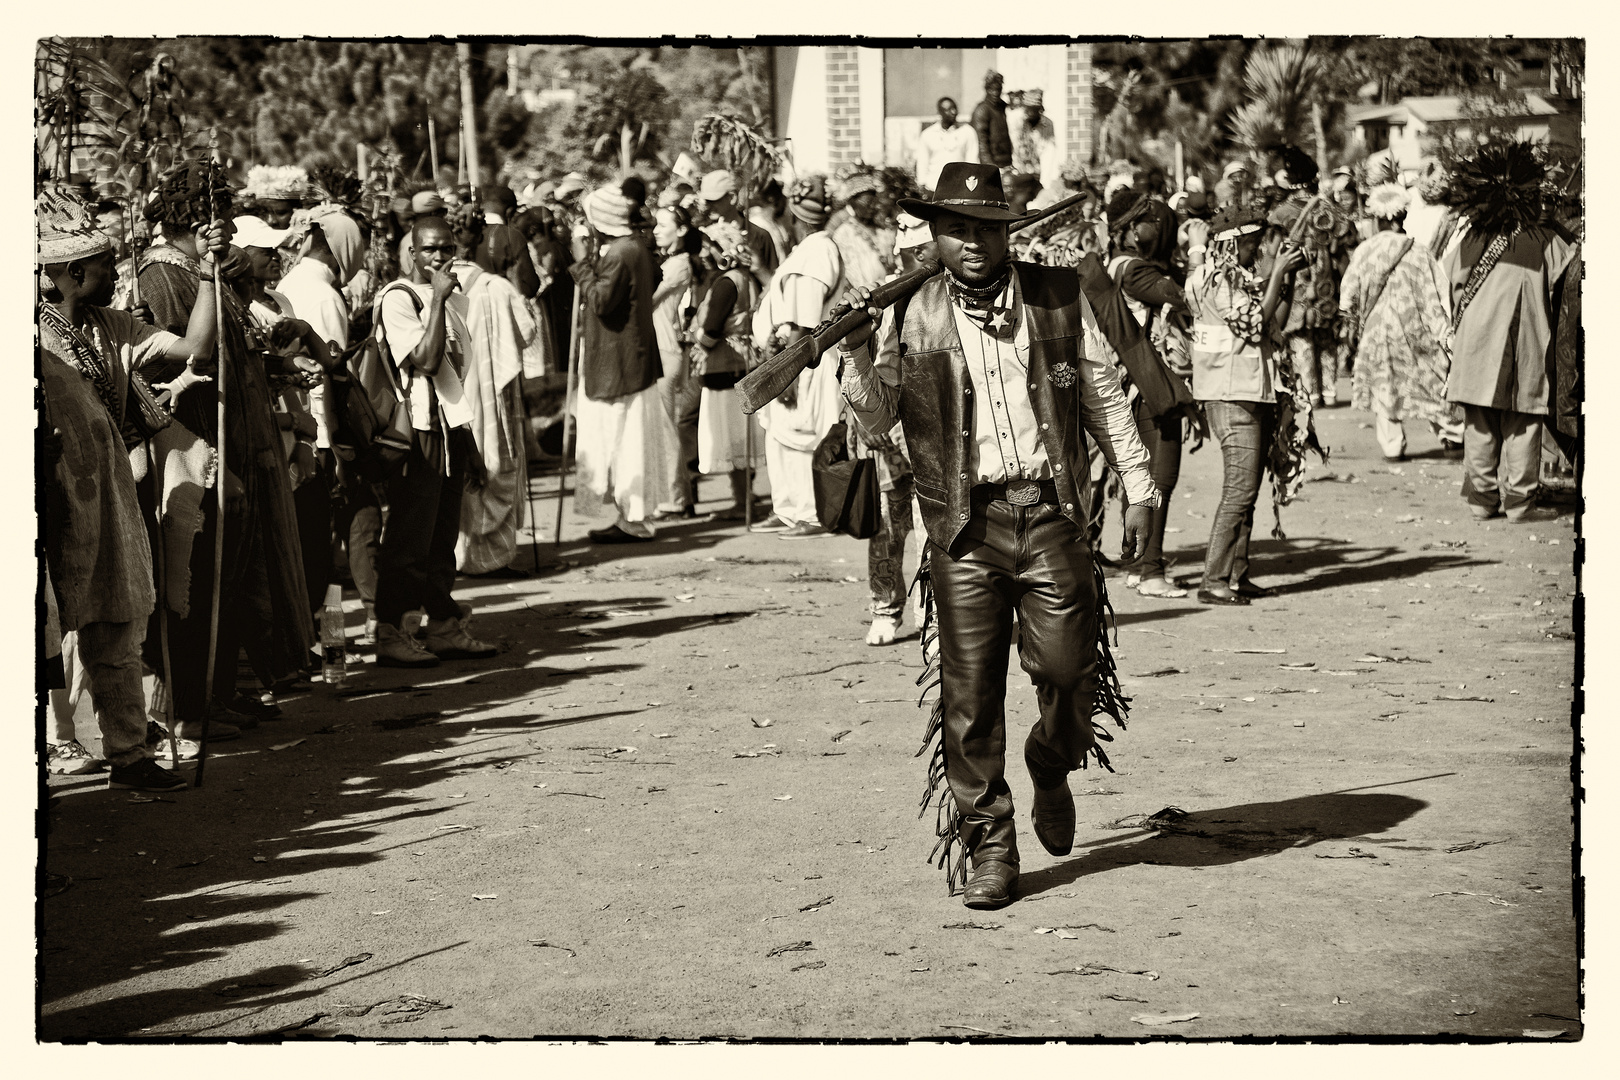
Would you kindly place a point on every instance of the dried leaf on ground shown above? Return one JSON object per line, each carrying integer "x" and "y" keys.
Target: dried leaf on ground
{"x": 1122, "y": 997}
{"x": 970, "y": 926}
{"x": 1451, "y": 697}
{"x": 485, "y": 896}
{"x": 817, "y": 905}
{"x": 1093, "y": 968}
{"x": 288, "y": 745}
{"x": 759, "y": 723}
{"x": 793, "y": 946}
{"x": 347, "y": 962}
{"x": 781, "y": 798}
{"x": 1160, "y": 1019}
{"x": 811, "y": 966}
{"x": 1160, "y": 673}
{"x": 1472, "y": 845}
{"x": 542, "y": 943}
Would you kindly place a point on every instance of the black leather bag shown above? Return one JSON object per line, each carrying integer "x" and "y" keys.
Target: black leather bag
{"x": 847, "y": 494}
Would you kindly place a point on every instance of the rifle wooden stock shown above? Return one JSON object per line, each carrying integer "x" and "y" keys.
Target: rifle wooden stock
{"x": 767, "y": 382}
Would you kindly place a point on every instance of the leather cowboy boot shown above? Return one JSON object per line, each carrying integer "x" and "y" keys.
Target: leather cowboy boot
{"x": 1052, "y": 814}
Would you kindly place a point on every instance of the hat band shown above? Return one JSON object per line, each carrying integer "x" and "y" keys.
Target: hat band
{"x": 1241, "y": 230}
{"x": 972, "y": 202}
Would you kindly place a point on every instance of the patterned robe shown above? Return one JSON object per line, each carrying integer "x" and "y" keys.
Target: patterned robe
{"x": 1396, "y": 301}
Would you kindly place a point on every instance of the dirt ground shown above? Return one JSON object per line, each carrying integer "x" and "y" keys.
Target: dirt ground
{"x": 683, "y": 803}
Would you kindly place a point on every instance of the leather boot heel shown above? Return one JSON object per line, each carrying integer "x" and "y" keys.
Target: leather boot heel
{"x": 991, "y": 886}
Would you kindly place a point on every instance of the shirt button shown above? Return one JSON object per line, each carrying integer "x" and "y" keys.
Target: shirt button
{"x": 1032, "y": 386}
{"x": 1057, "y": 468}
{"x": 1068, "y": 506}
{"x": 964, "y": 476}
{"x": 1045, "y": 426}
{"x": 964, "y": 431}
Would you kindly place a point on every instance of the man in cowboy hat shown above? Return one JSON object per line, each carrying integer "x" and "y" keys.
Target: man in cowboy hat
{"x": 996, "y": 370}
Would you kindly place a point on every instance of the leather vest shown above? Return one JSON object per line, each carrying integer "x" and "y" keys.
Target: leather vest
{"x": 936, "y": 397}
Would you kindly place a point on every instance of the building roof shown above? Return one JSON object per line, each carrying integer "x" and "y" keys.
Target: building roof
{"x": 1433, "y": 110}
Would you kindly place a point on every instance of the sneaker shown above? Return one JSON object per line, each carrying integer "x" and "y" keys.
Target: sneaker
{"x": 883, "y": 630}
{"x": 804, "y": 530}
{"x": 448, "y": 640}
{"x": 395, "y": 648}
{"x": 772, "y": 524}
{"x": 144, "y": 775}
{"x": 71, "y": 759}
{"x": 189, "y": 749}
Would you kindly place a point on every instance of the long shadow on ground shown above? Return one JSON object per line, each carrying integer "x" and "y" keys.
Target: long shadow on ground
{"x": 1231, "y": 834}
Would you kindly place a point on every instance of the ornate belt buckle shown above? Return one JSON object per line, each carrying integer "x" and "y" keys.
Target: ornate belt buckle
{"x": 1023, "y": 492}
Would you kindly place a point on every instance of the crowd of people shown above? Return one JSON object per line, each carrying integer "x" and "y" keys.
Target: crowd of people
{"x": 1224, "y": 309}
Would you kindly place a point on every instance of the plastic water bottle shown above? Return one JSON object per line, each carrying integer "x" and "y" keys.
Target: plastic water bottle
{"x": 333, "y": 640}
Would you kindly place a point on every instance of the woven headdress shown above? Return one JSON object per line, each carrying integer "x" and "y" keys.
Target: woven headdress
{"x": 66, "y": 229}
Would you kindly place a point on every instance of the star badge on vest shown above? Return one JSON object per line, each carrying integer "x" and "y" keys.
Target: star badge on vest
{"x": 990, "y": 308}
{"x": 1064, "y": 376}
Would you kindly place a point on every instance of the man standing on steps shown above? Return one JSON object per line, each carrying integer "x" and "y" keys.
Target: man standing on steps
{"x": 426, "y": 332}
{"x": 996, "y": 370}
{"x": 990, "y": 122}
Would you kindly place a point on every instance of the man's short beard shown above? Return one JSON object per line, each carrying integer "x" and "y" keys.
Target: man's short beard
{"x": 990, "y": 275}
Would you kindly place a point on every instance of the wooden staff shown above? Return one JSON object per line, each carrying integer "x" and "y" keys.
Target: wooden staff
{"x": 158, "y": 556}
{"x": 221, "y": 471}
{"x": 568, "y": 408}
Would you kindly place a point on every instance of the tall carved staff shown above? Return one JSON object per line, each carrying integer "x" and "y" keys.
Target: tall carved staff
{"x": 568, "y": 408}
{"x": 210, "y": 177}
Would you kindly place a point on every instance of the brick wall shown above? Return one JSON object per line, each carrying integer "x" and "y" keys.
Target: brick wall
{"x": 843, "y": 107}
{"x": 1080, "y": 129}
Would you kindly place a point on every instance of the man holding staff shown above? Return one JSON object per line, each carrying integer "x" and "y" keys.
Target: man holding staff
{"x": 996, "y": 371}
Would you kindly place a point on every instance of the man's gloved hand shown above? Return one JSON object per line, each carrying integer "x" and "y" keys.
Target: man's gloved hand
{"x": 1138, "y": 524}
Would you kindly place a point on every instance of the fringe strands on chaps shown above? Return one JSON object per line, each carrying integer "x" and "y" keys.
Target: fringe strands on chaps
{"x": 950, "y": 836}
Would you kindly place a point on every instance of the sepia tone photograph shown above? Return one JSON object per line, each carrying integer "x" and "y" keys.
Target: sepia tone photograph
{"x": 420, "y": 422}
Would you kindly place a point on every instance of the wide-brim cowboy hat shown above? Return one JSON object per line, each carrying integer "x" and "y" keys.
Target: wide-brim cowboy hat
{"x": 968, "y": 189}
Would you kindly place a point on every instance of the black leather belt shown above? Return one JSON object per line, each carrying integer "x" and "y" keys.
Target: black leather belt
{"x": 1017, "y": 492}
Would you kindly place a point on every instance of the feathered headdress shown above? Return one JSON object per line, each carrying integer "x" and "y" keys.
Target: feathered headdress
{"x": 328, "y": 183}
{"x": 276, "y": 182}
{"x": 1498, "y": 188}
{"x": 1387, "y": 201}
{"x": 854, "y": 178}
{"x": 727, "y": 236}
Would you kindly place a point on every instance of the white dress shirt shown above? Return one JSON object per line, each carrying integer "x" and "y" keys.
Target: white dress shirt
{"x": 937, "y": 147}
{"x": 1006, "y": 432}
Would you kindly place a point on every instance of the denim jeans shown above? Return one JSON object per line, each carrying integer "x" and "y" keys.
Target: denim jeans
{"x": 1244, "y": 430}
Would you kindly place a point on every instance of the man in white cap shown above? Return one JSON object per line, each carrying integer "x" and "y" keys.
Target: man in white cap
{"x": 627, "y": 445}
{"x": 1035, "y": 149}
{"x": 719, "y": 194}
{"x": 1234, "y": 183}
{"x": 95, "y": 541}
{"x": 803, "y": 291}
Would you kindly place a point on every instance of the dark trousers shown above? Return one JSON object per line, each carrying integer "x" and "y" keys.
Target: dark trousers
{"x": 1244, "y": 430}
{"x": 312, "y": 503}
{"x": 416, "y": 560}
{"x": 188, "y": 637}
{"x": 1034, "y": 562}
{"x": 1162, "y": 438}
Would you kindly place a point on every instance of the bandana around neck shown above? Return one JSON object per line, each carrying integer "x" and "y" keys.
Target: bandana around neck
{"x": 990, "y": 307}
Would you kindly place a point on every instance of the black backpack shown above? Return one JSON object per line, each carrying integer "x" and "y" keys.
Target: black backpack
{"x": 373, "y": 415}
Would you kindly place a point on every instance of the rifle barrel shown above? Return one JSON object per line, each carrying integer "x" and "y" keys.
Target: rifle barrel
{"x": 767, "y": 382}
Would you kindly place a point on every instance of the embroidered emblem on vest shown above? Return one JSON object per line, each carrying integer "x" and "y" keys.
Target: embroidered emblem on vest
{"x": 1064, "y": 375}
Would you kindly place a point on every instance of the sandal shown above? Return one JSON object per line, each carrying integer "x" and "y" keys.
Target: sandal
{"x": 1161, "y": 589}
